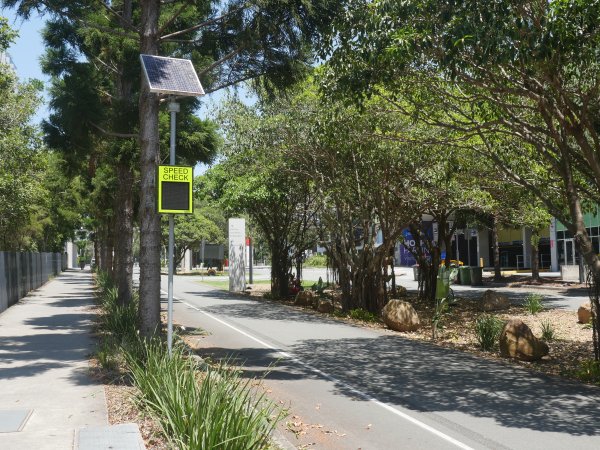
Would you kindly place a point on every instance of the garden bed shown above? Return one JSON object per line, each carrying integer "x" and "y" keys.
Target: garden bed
{"x": 569, "y": 350}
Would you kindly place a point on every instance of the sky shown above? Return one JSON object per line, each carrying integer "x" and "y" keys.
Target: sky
{"x": 27, "y": 50}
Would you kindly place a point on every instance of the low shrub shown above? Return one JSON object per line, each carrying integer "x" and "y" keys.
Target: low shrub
{"x": 589, "y": 371}
{"x": 196, "y": 407}
{"x": 548, "y": 333}
{"x": 107, "y": 354}
{"x": 437, "y": 321}
{"x": 209, "y": 408}
{"x": 487, "y": 330}
{"x": 316, "y": 261}
{"x": 319, "y": 287}
{"x": 362, "y": 314}
{"x": 118, "y": 320}
{"x": 533, "y": 303}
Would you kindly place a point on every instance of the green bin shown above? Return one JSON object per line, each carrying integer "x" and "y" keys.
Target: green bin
{"x": 465, "y": 275}
{"x": 476, "y": 276}
{"x": 442, "y": 284}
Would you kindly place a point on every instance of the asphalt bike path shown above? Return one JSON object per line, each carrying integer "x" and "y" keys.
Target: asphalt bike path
{"x": 353, "y": 387}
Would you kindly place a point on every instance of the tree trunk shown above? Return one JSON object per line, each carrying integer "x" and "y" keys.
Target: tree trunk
{"x": 497, "y": 269}
{"x": 149, "y": 309}
{"x": 586, "y": 249}
{"x": 279, "y": 270}
{"x": 106, "y": 249}
{"x": 124, "y": 234}
{"x": 125, "y": 177}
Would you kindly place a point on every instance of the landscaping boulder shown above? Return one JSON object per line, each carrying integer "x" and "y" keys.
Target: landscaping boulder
{"x": 325, "y": 306}
{"x": 315, "y": 302}
{"x": 494, "y": 301}
{"x": 584, "y": 313}
{"x": 304, "y": 298}
{"x": 336, "y": 297}
{"x": 400, "y": 316}
{"x": 517, "y": 341}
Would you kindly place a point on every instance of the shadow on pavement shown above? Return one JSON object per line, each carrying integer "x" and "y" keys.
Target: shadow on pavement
{"x": 426, "y": 378}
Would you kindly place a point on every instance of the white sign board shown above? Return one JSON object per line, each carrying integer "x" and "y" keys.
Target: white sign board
{"x": 237, "y": 250}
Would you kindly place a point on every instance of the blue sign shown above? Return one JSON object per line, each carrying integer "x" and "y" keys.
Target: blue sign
{"x": 406, "y": 256}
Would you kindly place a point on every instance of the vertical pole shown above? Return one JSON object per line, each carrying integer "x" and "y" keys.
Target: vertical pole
{"x": 468, "y": 236}
{"x": 250, "y": 258}
{"x": 173, "y": 109}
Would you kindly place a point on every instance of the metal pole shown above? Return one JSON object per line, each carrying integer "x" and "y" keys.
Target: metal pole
{"x": 250, "y": 258}
{"x": 468, "y": 236}
{"x": 173, "y": 109}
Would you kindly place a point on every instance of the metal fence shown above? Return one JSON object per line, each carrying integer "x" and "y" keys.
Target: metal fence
{"x": 23, "y": 272}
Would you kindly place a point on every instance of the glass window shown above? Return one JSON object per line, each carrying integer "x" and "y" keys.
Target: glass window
{"x": 560, "y": 235}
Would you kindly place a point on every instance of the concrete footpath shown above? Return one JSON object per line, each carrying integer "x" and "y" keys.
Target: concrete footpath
{"x": 47, "y": 398}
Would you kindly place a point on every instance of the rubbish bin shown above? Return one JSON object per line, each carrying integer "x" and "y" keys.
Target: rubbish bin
{"x": 416, "y": 272}
{"x": 465, "y": 275}
{"x": 476, "y": 276}
{"x": 442, "y": 284}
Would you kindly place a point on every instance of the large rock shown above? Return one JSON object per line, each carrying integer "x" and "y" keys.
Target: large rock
{"x": 336, "y": 298}
{"x": 304, "y": 298}
{"x": 494, "y": 301}
{"x": 325, "y": 306}
{"x": 517, "y": 341}
{"x": 400, "y": 316}
{"x": 584, "y": 313}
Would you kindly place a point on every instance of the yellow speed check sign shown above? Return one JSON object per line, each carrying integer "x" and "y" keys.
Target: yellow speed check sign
{"x": 175, "y": 189}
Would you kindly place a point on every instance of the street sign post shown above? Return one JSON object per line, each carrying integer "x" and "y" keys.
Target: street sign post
{"x": 175, "y": 188}
{"x": 176, "y": 78}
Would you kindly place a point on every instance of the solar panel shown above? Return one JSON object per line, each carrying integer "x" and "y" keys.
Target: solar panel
{"x": 173, "y": 76}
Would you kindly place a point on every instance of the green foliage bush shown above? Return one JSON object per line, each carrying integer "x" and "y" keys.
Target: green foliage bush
{"x": 117, "y": 323}
{"x": 319, "y": 287}
{"x": 362, "y": 314}
{"x": 208, "y": 408}
{"x": 589, "y": 371}
{"x": 316, "y": 261}
{"x": 533, "y": 303}
{"x": 437, "y": 321}
{"x": 197, "y": 408}
{"x": 487, "y": 330}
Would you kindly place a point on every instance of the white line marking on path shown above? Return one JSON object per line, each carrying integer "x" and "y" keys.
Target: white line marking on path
{"x": 333, "y": 379}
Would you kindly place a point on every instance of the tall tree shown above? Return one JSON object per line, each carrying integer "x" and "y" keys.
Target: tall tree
{"x": 229, "y": 42}
{"x": 22, "y": 162}
{"x": 256, "y": 179}
{"x": 523, "y": 69}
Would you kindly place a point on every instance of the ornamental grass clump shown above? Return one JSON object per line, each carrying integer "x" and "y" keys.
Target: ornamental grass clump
{"x": 533, "y": 303}
{"x": 120, "y": 321}
{"x": 548, "y": 333}
{"x": 117, "y": 323}
{"x": 487, "y": 330}
{"x": 201, "y": 407}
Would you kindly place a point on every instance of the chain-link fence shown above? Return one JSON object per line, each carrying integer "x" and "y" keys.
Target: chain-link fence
{"x": 23, "y": 272}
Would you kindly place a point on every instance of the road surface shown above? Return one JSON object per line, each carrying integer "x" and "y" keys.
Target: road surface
{"x": 349, "y": 387}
